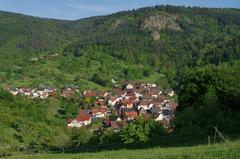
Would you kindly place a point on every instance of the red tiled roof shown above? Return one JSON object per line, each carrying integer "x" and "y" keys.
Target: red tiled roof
{"x": 53, "y": 94}
{"x": 106, "y": 122}
{"x": 24, "y": 89}
{"x": 101, "y": 93}
{"x": 128, "y": 102}
{"x": 90, "y": 94}
{"x": 132, "y": 114}
{"x": 114, "y": 124}
{"x": 102, "y": 110}
{"x": 83, "y": 118}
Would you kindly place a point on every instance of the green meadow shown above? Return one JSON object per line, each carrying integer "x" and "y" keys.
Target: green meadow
{"x": 231, "y": 150}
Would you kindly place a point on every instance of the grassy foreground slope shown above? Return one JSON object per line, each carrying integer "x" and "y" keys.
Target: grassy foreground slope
{"x": 219, "y": 151}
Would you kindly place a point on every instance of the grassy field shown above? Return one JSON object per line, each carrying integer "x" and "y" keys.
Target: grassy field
{"x": 218, "y": 151}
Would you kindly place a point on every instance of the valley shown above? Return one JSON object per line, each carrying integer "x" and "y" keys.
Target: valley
{"x": 162, "y": 72}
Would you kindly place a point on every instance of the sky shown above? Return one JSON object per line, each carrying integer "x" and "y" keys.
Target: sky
{"x": 77, "y": 9}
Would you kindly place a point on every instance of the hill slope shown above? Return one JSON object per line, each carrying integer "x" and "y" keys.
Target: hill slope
{"x": 219, "y": 151}
{"x": 126, "y": 45}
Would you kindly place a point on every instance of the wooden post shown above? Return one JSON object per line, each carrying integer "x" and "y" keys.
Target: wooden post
{"x": 220, "y": 135}
{"x": 209, "y": 140}
{"x": 215, "y": 135}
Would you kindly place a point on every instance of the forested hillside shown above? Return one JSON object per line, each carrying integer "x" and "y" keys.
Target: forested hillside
{"x": 194, "y": 50}
{"x": 132, "y": 44}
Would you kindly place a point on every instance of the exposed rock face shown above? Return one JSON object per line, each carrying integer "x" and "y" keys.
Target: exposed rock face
{"x": 159, "y": 21}
{"x": 116, "y": 23}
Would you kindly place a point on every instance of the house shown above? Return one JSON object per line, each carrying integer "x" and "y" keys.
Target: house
{"x": 128, "y": 103}
{"x": 152, "y": 95}
{"x": 99, "y": 112}
{"x": 160, "y": 117}
{"x": 169, "y": 92}
{"x": 157, "y": 104}
{"x": 148, "y": 97}
{"x": 102, "y": 94}
{"x": 165, "y": 123}
{"x": 167, "y": 112}
{"x": 129, "y": 94}
{"x": 146, "y": 105}
{"x": 67, "y": 93}
{"x": 14, "y": 92}
{"x": 130, "y": 114}
{"x": 151, "y": 85}
{"x": 113, "y": 101}
{"x": 156, "y": 90}
{"x": 82, "y": 120}
{"x": 143, "y": 86}
{"x": 106, "y": 122}
{"x": 160, "y": 99}
{"x": 35, "y": 95}
{"x": 44, "y": 95}
{"x": 155, "y": 111}
{"x": 172, "y": 105}
{"x": 138, "y": 93}
{"x": 100, "y": 102}
{"x": 142, "y": 111}
{"x": 129, "y": 86}
{"x": 115, "y": 125}
{"x": 53, "y": 93}
{"x": 25, "y": 91}
{"x": 118, "y": 92}
{"x": 89, "y": 93}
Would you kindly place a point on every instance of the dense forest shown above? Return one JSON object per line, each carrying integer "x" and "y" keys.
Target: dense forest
{"x": 194, "y": 50}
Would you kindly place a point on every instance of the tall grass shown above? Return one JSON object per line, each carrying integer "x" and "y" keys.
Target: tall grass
{"x": 218, "y": 151}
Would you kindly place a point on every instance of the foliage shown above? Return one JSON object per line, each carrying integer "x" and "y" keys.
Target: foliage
{"x": 79, "y": 137}
{"x": 208, "y": 97}
{"x": 140, "y": 130}
{"x": 198, "y": 56}
{"x": 28, "y": 123}
{"x": 92, "y": 50}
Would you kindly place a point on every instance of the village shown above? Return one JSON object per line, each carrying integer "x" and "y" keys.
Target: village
{"x": 115, "y": 108}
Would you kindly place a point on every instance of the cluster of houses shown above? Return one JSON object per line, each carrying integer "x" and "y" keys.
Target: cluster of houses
{"x": 43, "y": 93}
{"x": 114, "y": 108}
{"x": 125, "y": 104}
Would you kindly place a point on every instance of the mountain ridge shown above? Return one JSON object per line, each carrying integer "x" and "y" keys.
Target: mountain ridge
{"x": 158, "y": 49}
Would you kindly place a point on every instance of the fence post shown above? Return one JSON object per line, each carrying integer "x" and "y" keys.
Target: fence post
{"x": 220, "y": 135}
{"x": 215, "y": 135}
{"x": 209, "y": 140}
